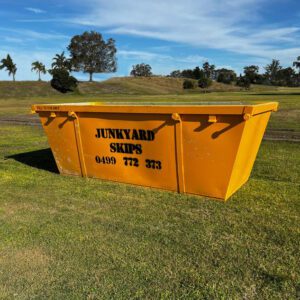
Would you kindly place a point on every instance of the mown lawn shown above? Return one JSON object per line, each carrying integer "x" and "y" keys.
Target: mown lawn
{"x": 287, "y": 118}
{"x": 74, "y": 238}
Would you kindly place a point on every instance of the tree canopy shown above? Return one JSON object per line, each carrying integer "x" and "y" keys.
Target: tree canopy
{"x": 208, "y": 69}
{"x": 60, "y": 61}
{"x": 251, "y": 73}
{"x": 225, "y": 75}
{"x": 39, "y": 68}
{"x": 90, "y": 53}
{"x": 141, "y": 70}
{"x": 8, "y": 64}
{"x": 272, "y": 69}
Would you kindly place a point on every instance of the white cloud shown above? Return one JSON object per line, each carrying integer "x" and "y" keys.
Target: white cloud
{"x": 44, "y": 20}
{"x": 35, "y": 10}
{"x": 154, "y": 56}
{"x": 12, "y": 39}
{"x": 24, "y": 34}
{"x": 142, "y": 55}
{"x": 230, "y": 25}
{"x": 285, "y": 34}
{"x": 161, "y": 63}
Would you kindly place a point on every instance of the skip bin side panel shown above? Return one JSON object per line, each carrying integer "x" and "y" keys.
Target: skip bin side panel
{"x": 131, "y": 148}
{"x": 209, "y": 151}
{"x": 62, "y": 140}
{"x": 248, "y": 149}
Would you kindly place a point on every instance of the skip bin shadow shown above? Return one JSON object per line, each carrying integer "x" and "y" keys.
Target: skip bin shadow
{"x": 41, "y": 159}
{"x": 231, "y": 125}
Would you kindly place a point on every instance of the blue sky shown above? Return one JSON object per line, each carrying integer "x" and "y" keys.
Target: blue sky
{"x": 167, "y": 34}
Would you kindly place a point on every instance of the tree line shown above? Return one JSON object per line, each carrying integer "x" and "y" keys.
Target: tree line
{"x": 274, "y": 74}
{"x": 90, "y": 53}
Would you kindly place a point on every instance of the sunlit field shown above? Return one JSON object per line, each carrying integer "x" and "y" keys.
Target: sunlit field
{"x": 76, "y": 238}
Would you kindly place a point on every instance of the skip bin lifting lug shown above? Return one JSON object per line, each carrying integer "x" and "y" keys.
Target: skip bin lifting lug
{"x": 212, "y": 119}
{"x": 71, "y": 114}
{"x": 246, "y": 117}
{"x": 176, "y": 117}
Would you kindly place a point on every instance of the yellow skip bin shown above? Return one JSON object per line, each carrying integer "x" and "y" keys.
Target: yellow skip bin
{"x": 198, "y": 149}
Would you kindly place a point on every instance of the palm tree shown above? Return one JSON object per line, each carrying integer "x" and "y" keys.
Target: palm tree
{"x": 61, "y": 62}
{"x": 272, "y": 69}
{"x": 39, "y": 68}
{"x": 9, "y": 65}
{"x": 296, "y": 63}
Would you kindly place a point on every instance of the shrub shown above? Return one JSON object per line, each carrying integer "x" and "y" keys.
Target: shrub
{"x": 243, "y": 82}
{"x": 188, "y": 84}
{"x": 204, "y": 82}
{"x": 141, "y": 70}
{"x": 63, "y": 81}
{"x": 225, "y": 76}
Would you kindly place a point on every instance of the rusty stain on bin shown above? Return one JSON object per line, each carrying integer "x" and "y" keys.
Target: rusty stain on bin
{"x": 206, "y": 150}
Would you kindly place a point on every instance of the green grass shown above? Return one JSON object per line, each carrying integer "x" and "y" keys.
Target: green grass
{"x": 75, "y": 238}
{"x": 19, "y": 102}
{"x": 117, "y": 85}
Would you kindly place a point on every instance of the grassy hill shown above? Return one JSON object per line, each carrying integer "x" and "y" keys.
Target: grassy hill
{"x": 117, "y": 85}
{"x": 146, "y": 86}
{"x": 9, "y": 89}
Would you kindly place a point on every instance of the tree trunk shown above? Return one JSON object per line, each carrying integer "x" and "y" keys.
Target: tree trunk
{"x": 14, "y": 79}
{"x": 39, "y": 76}
{"x": 91, "y": 76}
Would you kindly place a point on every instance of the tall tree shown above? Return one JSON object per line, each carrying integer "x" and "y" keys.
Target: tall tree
{"x": 198, "y": 73}
{"x": 208, "y": 70}
{"x": 39, "y": 68}
{"x": 272, "y": 69}
{"x": 251, "y": 73}
{"x": 9, "y": 66}
{"x": 243, "y": 82}
{"x": 188, "y": 73}
{"x": 286, "y": 77}
{"x": 176, "y": 74}
{"x": 60, "y": 61}
{"x": 141, "y": 70}
{"x": 91, "y": 54}
{"x": 225, "y": 75}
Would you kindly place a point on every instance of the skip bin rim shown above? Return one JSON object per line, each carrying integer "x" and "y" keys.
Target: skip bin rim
{"x": 215, "y": 109}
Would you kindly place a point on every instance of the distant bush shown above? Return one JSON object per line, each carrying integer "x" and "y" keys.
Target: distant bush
{"x": 225, "y": 76}
{"x": 204, "y": 82}
{"x": 142, "y": 69}
{"x": 243, "y": 82}
{"x": 188, "y": 84}
{"x": 63, "y": 81}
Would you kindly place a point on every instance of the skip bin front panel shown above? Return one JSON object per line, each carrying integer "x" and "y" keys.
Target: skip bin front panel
{"x": 209, "y": 151}
{"x": 131, "y": 148}
{"x": 249, "y": 146}
{"x": 62, "y": 140}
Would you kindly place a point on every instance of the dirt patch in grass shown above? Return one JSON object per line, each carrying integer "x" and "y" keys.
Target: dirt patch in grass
{"x": 32, "y": 120}
{"x": 22, "y": 272}
{"x": 282, "y": 135}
